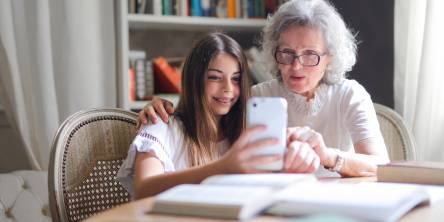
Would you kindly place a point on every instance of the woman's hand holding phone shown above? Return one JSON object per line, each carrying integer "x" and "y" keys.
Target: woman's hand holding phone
{"x": 241, "y": 158}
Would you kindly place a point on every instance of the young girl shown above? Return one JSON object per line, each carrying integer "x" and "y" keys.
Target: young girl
{"x": 207, "y": 134}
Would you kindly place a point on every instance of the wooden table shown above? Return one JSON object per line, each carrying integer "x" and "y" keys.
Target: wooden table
{"x": 137, "y": 210}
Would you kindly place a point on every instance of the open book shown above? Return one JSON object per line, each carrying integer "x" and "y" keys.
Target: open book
{"x": 366, "y": 201}
{"x": 234, "y": 196}
{"x": 244, "y": 196}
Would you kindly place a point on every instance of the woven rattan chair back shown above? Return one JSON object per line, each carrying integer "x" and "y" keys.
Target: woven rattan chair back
{"x": 87, "y": 151}
{"x": 398, "y": 139}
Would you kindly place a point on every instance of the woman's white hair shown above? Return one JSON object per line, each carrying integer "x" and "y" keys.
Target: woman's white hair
{"x": 321, "y": 15}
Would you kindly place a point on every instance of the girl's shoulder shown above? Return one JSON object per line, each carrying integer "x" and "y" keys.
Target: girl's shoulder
{"x": 162, "y": 129}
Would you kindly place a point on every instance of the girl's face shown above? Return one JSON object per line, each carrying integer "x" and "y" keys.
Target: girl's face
{"x": 308, "y": 44}
{"x": 222, "y": 83}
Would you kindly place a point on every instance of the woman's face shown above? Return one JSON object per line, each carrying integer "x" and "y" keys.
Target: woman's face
{"x": 222, "y": 83}
{"x": 307, "y": 43}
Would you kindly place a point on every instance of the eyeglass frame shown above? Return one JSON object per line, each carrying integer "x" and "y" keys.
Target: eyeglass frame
{"x": 296, "y": 56}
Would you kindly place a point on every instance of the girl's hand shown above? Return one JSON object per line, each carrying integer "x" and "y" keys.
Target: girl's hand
{"x": 314, "y": 140}
{"x": 300, "y": 158}
{"x": 241, "y": 158}
{"x": 161, "y": 107}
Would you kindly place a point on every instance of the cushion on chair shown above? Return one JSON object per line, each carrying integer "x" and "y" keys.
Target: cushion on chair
{"x": 24, "y": 196}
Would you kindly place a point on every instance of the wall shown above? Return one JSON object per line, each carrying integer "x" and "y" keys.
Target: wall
{"x": 373, "y": 22}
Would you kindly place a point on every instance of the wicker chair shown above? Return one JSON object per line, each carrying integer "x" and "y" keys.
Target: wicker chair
{"x": 87, "y": 151}
{"x": 398, "y": 139}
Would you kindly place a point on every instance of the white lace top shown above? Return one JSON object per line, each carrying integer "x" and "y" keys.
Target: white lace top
{"x": 166, "y": 142}
{"x": 343, "y": 113}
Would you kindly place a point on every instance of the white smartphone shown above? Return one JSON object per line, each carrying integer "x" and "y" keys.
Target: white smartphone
{"x": 271, "y": 112}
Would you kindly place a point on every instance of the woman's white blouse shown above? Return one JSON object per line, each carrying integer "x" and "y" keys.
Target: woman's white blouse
{"x": 166, "y": 143}
{"x": 343, "y": 113}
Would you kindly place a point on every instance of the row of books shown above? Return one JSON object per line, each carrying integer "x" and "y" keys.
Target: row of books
{"x": 208, "y": 8}
{"x": 149, "y": 77}
{"x": 161, "y": 75}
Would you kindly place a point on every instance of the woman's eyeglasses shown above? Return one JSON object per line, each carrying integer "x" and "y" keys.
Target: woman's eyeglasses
{"x": 306, "y": 59}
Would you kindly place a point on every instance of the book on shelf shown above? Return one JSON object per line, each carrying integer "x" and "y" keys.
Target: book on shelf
{"x": 231, "y": 8}
{"x": 243, "y": 196}
{"x": 132, "y": 84}
{"x": 141, "y": 76}
{"x": 166, "y": 78}
{"x": 235, "y": 196}
{"x": 149, "y": 79}
{"x": 183, "y": 8}
{"x": 207, "y": 8}
{"x": 157, "y": 7}
{"x": 142, "y": 6}
{"x": 412, "y": 172}
{"x": 136, "y": 58}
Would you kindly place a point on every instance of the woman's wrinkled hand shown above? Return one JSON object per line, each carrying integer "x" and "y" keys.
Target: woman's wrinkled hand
{"x": 300, "y": 158}
{"x": 157, "y": 107}
{"x": 313, "y": 139}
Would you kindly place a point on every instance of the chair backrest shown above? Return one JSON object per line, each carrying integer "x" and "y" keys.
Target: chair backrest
{"x": 397, "y": 137}
{"x": 87, "y": 151}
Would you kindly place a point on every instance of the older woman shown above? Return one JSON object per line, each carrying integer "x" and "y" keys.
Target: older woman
{"x": 310, "y": 50}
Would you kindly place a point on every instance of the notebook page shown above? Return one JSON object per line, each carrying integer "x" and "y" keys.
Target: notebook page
{"x": 213, "y": 194}
{"x": 274, "y": 180}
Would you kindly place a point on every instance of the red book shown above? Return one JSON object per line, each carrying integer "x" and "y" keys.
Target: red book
{"x": 166, "y": 78}
{"x": 132, "y": 84}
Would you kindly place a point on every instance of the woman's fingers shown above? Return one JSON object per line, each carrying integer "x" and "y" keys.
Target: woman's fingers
{"x": 300, "y": 158}
{"x": 160, "y": 110}
{"x": 288, "y": 158}
{"x": 291, "y": 133}
{"x": 298, "y": 133}
{"x": 169, "y": 107}
{"x": 291, "y": 155}
{"x": 315, "y": 139}
{"x": 304, "y": 165}
{"x": 316, "y": 163}
{"x": 157, "y": 106}
{"x": 142, "y": 116}
{"x": 311, "y": 162}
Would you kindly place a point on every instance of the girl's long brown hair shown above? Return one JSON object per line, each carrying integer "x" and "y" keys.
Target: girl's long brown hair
{"x": 201, "y": 130}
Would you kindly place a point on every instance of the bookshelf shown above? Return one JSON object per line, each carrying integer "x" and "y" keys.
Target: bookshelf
{"x": 137, "y": 31}
{"x": 137, "y": 21}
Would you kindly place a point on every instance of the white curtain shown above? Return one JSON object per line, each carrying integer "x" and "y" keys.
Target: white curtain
{"x": 57, "y": 57}
{"x": 419, "y": 73}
